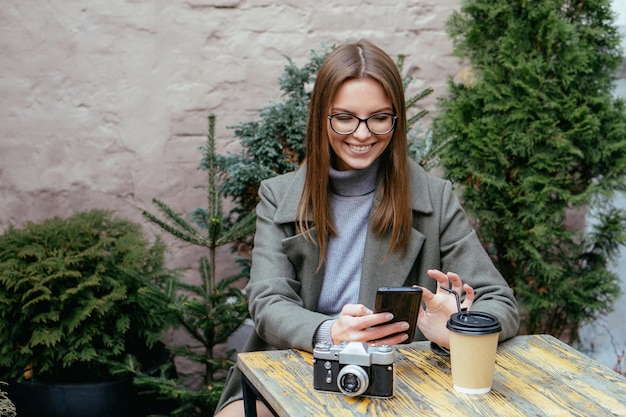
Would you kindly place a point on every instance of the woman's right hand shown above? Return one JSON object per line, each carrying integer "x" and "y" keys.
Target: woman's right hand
{"x": 357, "y": 323}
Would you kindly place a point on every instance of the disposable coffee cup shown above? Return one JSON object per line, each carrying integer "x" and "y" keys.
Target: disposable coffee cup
{"x": 473, "y": 345}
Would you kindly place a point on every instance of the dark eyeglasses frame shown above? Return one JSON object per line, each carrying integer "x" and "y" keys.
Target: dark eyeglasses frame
{"x": 393, "y": 122}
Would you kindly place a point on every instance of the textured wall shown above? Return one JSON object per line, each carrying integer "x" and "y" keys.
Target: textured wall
{"x": 104, "y": 103}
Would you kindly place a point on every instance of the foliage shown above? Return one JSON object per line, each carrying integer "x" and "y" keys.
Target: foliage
{"x": 535, "y": 133}
{"x": 276, "y": 143}
{"x": 7, "y": 408}
{"x": 211, "y": 310}
{"x": 73, "y": 300}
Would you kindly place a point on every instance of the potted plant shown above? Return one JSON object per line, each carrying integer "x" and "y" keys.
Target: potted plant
{"x": 74, "y": 312}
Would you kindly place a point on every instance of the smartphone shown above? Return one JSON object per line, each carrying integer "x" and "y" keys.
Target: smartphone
{"x": 403, "y": 303}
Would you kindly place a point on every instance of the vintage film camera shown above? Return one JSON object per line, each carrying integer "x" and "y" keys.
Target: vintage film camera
{"x": 354, "y": 369}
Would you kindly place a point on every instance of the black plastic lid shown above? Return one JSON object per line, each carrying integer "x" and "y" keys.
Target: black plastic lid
{"x": 474, "y": 323}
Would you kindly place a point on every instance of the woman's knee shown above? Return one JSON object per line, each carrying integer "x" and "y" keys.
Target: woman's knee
{"x": 235, "y": 409}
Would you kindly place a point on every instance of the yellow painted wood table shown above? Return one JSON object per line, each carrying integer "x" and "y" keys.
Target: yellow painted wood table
{"x": 535, "y": 375}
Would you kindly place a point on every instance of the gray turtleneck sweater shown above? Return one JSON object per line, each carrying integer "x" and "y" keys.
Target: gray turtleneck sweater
{"x": 351, "y": 202}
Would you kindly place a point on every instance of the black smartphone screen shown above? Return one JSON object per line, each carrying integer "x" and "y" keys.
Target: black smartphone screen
{"x": 403, "y": 303}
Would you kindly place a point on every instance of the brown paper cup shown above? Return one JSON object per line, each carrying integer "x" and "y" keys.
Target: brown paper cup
{"x": 473, "y": 346}
{"x": 473, "y": 361}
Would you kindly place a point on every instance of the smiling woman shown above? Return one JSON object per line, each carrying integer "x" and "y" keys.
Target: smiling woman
{"x": 356, "y": 216}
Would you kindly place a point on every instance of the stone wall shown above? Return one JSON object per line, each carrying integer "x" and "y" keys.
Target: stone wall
{"x": 105, "y": 103}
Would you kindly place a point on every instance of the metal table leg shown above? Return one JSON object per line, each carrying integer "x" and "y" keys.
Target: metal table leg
{"x": 250, "y": 396}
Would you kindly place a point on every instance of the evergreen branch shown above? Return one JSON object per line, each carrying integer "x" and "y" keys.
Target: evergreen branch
{"x": 181, "y": 228}
{"x": 7, "y": 408}
{"x": 417, "y": 97}
{"x": 413, "y": 119}
{"x": 244, "y": 227}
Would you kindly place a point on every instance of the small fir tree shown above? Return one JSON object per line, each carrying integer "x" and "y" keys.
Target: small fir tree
{"x": 535, "y": 132}
{"x": 211, "y": 310}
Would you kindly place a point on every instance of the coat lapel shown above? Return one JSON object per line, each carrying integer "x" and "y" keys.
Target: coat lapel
{"x": 302, "y": 253}
{"x": 381, "y": 269}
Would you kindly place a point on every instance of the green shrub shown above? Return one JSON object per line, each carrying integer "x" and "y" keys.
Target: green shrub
{"x": 535, "y": 132}
{"x": 73, "y": 297}
{"x": 7, "y": 408}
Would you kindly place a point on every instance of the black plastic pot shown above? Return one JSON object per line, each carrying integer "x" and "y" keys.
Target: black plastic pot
{"x": 119, "y": 398}
{"x": 102, "y": 399}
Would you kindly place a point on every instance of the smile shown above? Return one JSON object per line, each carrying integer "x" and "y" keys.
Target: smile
{"x": 360, "y": 147}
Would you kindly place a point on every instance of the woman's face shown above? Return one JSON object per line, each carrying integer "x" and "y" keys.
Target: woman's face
{"x": 361, "y": 97}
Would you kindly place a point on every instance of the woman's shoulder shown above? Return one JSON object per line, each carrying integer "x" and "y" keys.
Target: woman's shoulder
{"x": 283, "y": 192}
{"x": 420, "y": 178}
{"x": 285, "y": 181}
{"x": 429, "y": 192}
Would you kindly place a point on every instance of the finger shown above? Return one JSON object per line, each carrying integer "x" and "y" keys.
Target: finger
{"x": 469, "y": 292}
{"x": 357, "y": 325}
{"x": 427, "y": 302}
{"x": 362, "y": 329}
{"x": 427, "y": 296}
{"x": 390, "y": 341}
{"x": 374, "y": 320}
{"x": 469, "y": 296}
{"x": 355, "y": 310}
{"x": 455, "y": 280}
{"x": 440, "y": 277}
{"x": 389, "y": 333}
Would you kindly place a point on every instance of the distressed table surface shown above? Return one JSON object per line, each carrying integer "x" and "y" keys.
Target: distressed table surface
{"x": 535, "y": 375}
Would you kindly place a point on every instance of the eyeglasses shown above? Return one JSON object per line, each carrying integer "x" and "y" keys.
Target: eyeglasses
{"x": 377, "y": 123}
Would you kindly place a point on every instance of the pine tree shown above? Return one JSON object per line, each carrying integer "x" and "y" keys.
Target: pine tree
{"x": 534, "y": 133}
{"x": 211, "y": 310}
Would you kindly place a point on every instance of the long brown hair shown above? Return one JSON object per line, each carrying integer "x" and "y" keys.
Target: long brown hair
{"x": 346, "y": 62}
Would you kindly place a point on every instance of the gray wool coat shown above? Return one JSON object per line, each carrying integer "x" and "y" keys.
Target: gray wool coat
{"x": 285, "y": 284}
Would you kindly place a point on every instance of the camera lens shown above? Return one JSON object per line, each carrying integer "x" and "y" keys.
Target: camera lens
{"x": 352, "y": 380}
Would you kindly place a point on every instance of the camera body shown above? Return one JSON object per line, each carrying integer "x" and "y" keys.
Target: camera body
{"x": 354, "y": 368}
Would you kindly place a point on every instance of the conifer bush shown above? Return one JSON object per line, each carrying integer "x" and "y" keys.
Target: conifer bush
{"x": 7, "y": 408}
{"x": 534, "y": 132}
{"x": 73, "y": 300}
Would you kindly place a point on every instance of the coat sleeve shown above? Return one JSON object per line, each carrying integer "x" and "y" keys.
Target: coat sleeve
{"x": 277, "y": 297}
{"x": 462, "y": 252}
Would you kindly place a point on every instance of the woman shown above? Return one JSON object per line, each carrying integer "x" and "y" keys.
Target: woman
{"x": 359, "y": 215}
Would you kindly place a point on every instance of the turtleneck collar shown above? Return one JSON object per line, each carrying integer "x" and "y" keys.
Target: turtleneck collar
{"x": 355, "y": 182}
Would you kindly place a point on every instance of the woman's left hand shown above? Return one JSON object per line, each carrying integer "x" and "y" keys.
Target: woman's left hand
{"x": 441, "y": 305}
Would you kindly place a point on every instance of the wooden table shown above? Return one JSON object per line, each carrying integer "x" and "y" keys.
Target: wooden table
{"x": 535, "y": 376}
